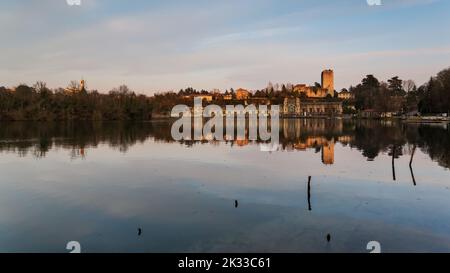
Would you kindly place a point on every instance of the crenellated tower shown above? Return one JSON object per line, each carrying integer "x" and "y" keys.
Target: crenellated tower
{"x": 328, "y": 81}
{"x": 82, "y": 85}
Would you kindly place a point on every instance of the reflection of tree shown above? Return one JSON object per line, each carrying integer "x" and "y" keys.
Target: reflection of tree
{"x": 435, "y": 141}
{"x": 373, "y": 137}
{"x": 39, "y": 138}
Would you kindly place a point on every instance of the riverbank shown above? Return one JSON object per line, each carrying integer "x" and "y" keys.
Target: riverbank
{"x": 427, "y": 119}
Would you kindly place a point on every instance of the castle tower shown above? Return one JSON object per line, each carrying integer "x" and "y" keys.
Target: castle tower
{"x": 82, "y": 85}
{"x": 328, "y": 81}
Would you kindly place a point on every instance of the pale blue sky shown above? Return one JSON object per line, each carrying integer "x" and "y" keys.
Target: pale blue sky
{"x": 166, "y": 45}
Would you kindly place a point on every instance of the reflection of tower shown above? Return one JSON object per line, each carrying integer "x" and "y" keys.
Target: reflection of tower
{"x": 328, "y": 153}
{"x": 242, "y": 143}
{"x": 328, "y": 81}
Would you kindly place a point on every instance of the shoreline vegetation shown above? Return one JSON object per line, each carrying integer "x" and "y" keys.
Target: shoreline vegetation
{"x": 371, "y": 98}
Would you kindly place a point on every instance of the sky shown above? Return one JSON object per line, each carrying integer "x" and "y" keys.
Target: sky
{"x": 163, "y": 45}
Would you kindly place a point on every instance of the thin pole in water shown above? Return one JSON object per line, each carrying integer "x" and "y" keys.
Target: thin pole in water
{"x": 410, "y": 165}
{"x": 309, "y": 193}
{"x": 393, "y": 164}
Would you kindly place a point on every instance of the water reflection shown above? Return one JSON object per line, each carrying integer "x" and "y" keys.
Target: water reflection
{"x": 370, "y": 137}
{"x": 128, "y": 187}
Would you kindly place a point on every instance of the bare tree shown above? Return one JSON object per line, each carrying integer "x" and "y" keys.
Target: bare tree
{"x": 290, "y": 87}
{"x": 74, "y": 85}
{"x": 121, "y": 90}
{"x": 40, "y": 86}
{"x": 269, "y": 87}
{"x": 409, "y": 85}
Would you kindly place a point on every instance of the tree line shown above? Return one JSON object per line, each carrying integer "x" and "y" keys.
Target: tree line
{"x": 39, "y": 103}
{"x": 400, "y": 96}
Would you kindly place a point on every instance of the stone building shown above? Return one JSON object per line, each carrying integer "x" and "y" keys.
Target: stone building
{"x": 76, "y": 89}
{"x": 345, "y": 95}
{"x": 242, "y": 94}
{"x": 315, "y": 102}
{"x": 326, "y": 88}
{"x": 295, "y": 107}
{"x": 310, "y": 91}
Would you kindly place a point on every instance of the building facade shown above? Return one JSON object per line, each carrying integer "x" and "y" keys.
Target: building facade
{"x": 242, "y": 94}
{"x": 345, "y": 95}
{"x": 295, "y": 107}
{"x": 310, "y": 91}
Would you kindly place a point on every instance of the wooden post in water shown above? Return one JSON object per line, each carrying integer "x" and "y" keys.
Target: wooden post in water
{"x": 393, "y": 162}
{"x": 410, "y": 165}
{"x": 309, "y": 193}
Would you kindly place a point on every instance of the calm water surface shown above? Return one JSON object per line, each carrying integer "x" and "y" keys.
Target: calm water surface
{"x": 99, "y": 183}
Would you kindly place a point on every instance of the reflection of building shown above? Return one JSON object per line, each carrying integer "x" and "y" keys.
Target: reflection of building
{"x": 294, "y": 129}
{"x": 243, "y": 142}
{"x": 242, "y": 94}
{"x": 310, "y": 91}
{"x": 227, "y": 97}
{"x": 346, "y": 139}
{"x": 326, "y": 146}
{"x": 318, "y": 134}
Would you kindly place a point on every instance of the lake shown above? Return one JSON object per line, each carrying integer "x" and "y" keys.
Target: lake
{"x": 129, "y": 187}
